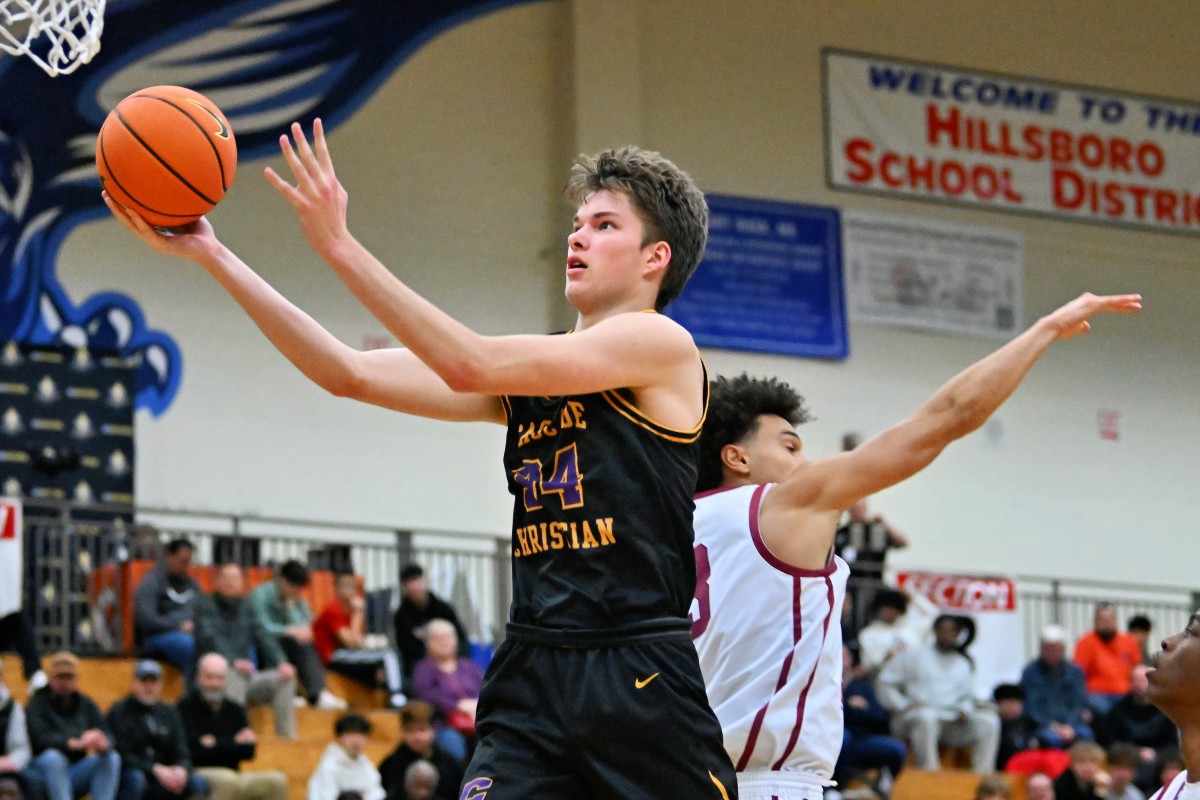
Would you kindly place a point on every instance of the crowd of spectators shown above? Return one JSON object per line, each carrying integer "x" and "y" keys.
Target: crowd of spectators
{"x": 1078, "y": 725}
{"x": 235, "y": 647}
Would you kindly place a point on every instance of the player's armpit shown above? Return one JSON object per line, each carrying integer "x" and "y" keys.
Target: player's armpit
{"x": 800, "y": 536}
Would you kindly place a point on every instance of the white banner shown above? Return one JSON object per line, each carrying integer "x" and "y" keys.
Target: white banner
{"x": 991, "y": 602}
{"x": 1011, "y": 143}
{"x": 932, "y": 275}
{"x": 12, "y": 560}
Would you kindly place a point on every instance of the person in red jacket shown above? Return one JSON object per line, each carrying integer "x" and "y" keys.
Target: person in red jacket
{"x": 339, "y": 636}
{"x": 1107, "y": 657}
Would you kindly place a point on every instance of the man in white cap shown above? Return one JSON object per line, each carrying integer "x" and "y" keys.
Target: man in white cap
{"x": 1055, "y": 693}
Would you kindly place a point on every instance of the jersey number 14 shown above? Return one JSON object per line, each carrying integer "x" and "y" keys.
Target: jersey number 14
{"x": 564, "y": 480}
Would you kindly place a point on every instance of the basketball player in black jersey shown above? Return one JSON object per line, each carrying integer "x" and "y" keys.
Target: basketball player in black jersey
{"x": 596, "y": 692}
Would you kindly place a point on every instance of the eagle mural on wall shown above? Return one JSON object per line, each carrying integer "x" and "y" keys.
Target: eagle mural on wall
{"x": 265, "y": 63}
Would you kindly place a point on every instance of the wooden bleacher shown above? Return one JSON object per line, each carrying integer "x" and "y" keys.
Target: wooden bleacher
{"x": 107, "y": 680}
{"x": 945, "y": 784}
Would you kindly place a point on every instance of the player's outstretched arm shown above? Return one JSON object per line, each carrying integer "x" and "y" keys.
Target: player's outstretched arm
{"x": 634, "y": 354}
{"x": 392, "y": 378}
{"x": 819, "y": 490}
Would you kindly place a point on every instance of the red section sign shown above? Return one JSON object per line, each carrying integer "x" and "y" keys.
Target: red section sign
{"x": 10, "y": 519}
{"x": 1108, "y": 422}
{"x": 965, "y": 593}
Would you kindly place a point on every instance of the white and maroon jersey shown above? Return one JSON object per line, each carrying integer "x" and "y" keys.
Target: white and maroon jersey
{"x": 770, "y": 641}
{"x": 1178, "y": 789}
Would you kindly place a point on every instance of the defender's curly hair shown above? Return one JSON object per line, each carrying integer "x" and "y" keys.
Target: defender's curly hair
{"x": 734, "y": 406}
{"x": 672, "y": 208}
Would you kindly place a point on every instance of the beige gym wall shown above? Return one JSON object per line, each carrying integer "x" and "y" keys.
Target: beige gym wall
{"x": 454, "y": 169}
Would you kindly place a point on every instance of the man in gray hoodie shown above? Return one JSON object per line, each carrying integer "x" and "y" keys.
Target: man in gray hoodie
{"x": 164, "y": 608}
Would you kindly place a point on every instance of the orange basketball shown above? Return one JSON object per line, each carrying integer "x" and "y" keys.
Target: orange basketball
{"x": 166, "y": 153}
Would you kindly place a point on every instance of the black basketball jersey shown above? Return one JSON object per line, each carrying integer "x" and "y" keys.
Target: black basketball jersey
{"x": 602, "y": 513}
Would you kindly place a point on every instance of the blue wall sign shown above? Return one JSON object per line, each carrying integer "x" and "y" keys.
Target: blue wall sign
{"x": 770, "y": 280}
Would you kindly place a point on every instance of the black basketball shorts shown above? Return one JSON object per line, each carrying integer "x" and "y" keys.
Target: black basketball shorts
{"x": 621, "y": 718}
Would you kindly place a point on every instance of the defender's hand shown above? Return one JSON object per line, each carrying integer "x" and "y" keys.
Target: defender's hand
{"x": 1074, "y": 318}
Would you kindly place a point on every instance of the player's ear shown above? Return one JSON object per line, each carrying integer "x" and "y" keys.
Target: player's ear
{"x": 735, "y": 459}
{"x": 658, "y": 256}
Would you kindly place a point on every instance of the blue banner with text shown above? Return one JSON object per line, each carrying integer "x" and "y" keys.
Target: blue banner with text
{"x": 770, "y": 280}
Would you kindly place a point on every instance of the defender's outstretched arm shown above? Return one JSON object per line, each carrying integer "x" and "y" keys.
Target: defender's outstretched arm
{"x": 808, "y": 502}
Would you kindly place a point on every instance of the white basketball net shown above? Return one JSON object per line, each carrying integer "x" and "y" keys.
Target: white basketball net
{"x": 59, "y": 35}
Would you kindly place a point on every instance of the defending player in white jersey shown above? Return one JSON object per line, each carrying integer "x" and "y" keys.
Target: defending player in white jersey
{"x": 769, "y": 591}
{"x": 1174, "y": 689}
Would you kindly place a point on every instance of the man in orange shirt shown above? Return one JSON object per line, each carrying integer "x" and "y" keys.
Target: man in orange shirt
{"x": 1107, "y": 657}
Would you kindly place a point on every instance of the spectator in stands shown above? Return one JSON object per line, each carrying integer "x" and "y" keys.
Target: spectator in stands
{"x": 1018, "y": 730}
{"x": 866, "y": 740}
{"x": 149, "y": 735}
{"x": 220, "y": 738}
{"x": 863, "y": 540}
{"x": 226, "y": 624}
{"x": 418, "y": 606}
{"x": 1139, "y": 627}
{"x": 1134, "y": 719}
{"x": 164, "y": 609}
{"x": 993, "y": 787}
{"x": 1085, "y": 779}
{"x": 451, "y": 685}
{"x": 1055, "y": 695}
{"x": 339, "y": 636}
{"x": 344, "y": 767}
{"x": 16, "y": 635}
{"x": 898, "y": 625}
{"x": 416, "y": 723}
{"x": 421, "y": 780}
{"x": 284, "y": 613}
{"x": 1124, "y": 761}
{"x": 1106, "y": 657}
{"x": 1021, "y": 751}
{"x": 1039, "y": 786}
{"x": 72, "y": 749}
{"x": 930, "y": 692}
{"x": 15, "y": 751}
{"x": 14, "y": 786}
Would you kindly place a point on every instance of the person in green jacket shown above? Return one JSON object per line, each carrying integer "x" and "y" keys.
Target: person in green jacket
{"x": 284, "y": 614}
